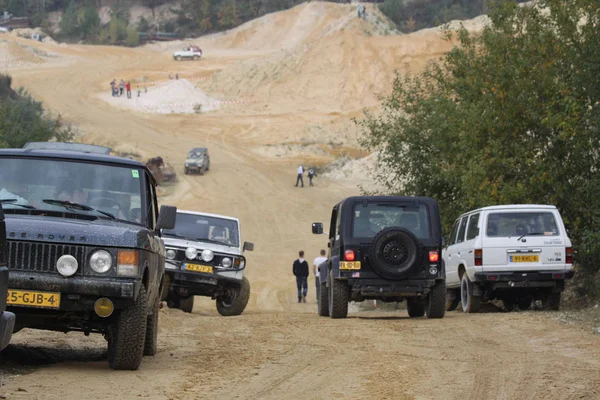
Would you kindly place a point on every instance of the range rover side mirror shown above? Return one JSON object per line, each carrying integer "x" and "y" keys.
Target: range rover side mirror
{"x": 317, "y": 228}
{"x": 248, "y": 246}
{"x": 443, "y": 241}
{"x": 166, "y": 217}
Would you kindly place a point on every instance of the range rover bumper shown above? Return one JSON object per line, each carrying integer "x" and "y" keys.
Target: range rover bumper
{"x": 118, "y": 288}
{"x": 526, "y": 279}
{"x": 383, "y": 288}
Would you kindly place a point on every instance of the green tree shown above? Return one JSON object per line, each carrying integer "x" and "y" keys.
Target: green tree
{"x": 69, "y": 23}
{"x": 133, "y": 37}
{"x": 117, "y": 30}
{"x": 509, "y": 116}
{"x": 89, "y": 22}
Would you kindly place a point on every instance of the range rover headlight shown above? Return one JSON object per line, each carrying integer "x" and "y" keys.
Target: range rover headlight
{"x": 66, "y": 265}
{"x": 101, "y": 261}
{"x": 191, "y": 253}
{"x": 170, "y": 254}
{"x": 226, "y": 262}
{"x": 207, "y": 255}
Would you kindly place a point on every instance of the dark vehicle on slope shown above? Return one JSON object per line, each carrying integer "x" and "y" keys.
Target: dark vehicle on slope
{"x": 386, "y": 248}
{"x": 84, "y": 247}
{"x": 7, "y": 319}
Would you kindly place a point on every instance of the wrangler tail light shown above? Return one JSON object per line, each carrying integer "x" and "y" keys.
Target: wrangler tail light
{"x": 478, "y": 257}
{"x": 569, "y": 255}
{"x": 434, "y": 256}
{"x": 349, "y": 255}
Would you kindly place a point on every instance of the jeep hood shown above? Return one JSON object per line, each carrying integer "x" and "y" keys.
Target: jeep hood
{"x": 100, "y": 232}
{"x": 199, "y": 245}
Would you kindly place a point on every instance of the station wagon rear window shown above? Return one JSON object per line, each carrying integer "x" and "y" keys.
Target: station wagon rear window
{"x": 371, "y": 219}
{"x": 521, "y": 223}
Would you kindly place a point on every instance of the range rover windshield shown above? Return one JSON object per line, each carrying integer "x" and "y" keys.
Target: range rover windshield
{"x": 205, "y": 228}
{"x": 370, "y": 219}
{"x": 55, "y": 187}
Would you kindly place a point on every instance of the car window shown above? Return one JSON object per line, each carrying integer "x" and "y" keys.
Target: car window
{"x": 203, "y": 227}
{"x": 454, "y": 232}
{"x": 370, "y": 219}
{"x": 506, "y": 224}
{"x": 472, "y": 229}
{"x": 461, "y": 231}
{"x": 338, "y": 221}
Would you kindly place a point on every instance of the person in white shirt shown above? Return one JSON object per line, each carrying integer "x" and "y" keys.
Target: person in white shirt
{"x": 316, "y": 264}
{"x": 299, "y": 177}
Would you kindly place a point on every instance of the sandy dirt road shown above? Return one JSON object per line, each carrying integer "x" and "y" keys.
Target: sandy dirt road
{"x": 277, "y": 348}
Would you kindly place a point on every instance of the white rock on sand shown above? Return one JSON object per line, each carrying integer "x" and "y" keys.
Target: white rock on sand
{"x": 175, "y": 96}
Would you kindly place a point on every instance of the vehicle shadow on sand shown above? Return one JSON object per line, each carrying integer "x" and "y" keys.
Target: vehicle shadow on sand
{"x": 401, "y": 314}
{"x": 19, "y": 359}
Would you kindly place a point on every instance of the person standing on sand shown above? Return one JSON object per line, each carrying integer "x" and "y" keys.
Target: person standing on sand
{"x": 299, "y": 176}
{"x": 139, "y": 91}
{"x": 113, "y": 87}
{"x": 311, "y": 175}
{"x": 358, "y": 10}
{"x": 301, "y": 273}
{"x": 121, "y": 87}
{"x": 316, "y": 264}
{"x": 128, "y": 88}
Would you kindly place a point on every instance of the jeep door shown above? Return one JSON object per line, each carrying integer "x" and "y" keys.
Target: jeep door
{"x": 453, "y": 252}
{"x": 524, "y": 240}
{"x": 335, "y": 241}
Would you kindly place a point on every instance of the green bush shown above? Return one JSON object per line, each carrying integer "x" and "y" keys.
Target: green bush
{"x": 133, "y": 37}
{"x": 509, "y": 116}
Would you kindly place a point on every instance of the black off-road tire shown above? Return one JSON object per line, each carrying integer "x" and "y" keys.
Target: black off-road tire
{"x": 415, "y": 307}
{"x": 187, "y": 305}
{"x": 436, "y": 301}
{"x": 178, "y": 58}
{"x": 323, "y": 303}
{"x": 239, "y": 302}
{"x": 151, "y": 342}
{"x": 338, "y": 297}
{"x": 452, "y": 303}
{"x": 126, "y": 337}
{"x": 552, "y": 302}
{"x": 470, "y": 303}
{"x": 395, "y": 253}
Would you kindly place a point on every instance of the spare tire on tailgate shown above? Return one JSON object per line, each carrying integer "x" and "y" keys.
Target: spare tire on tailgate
{"x": 395, "y": 253}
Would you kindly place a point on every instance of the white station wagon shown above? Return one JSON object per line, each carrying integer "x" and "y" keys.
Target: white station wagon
{"x": 514, "y": 253}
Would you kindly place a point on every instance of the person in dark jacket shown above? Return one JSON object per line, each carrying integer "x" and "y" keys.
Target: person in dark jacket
{"x": 301, "y": 273}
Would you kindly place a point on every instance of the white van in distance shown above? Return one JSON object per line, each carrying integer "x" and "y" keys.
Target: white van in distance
{"x": 515, "y": 253}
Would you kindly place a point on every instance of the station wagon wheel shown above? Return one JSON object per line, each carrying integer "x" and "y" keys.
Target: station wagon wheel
{"x": 234, "y": 299}
{"x": 470, "y": 303}
{"x": 395, "y": 253}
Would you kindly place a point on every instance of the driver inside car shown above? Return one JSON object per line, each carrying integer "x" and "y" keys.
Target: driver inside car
{"x": 72, "y": 194}
{"x": 219, "y": 234}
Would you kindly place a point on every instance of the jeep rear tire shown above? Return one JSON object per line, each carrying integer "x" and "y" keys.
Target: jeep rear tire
{"x": 551, "y": 302}
{"x": 323, "y": 302}
{"x": 452, "y": 299}
{"x": 338, "y": 297}
{"x": 187, "y": 305}
{"x": 126, "y": 337}
{"x": 178, "y": 58}
{"x": 151, "y": 342}
{"x": 470, "y": 303}
{"x": 235, "y": 299}
{"x": 436, "y": 301}
{"x": 415, "y": 307}
{"x": 395, "y": 253}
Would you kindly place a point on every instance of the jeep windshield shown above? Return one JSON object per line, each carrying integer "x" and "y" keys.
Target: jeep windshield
{"x": 46, "y": 186}
{"x": 205, "y": 228}
{"x": 370, "y": 219}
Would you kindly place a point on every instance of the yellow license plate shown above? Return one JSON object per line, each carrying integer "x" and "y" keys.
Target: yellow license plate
{"x": 199, "y": 268}
{"x": 350, "y": 265}
{"x": 524, "y": 259}
{"x": 30, "y": 298}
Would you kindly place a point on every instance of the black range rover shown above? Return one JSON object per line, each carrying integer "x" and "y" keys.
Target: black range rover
{"x": 84, "y": 247}
{"x": 386, "y": 248}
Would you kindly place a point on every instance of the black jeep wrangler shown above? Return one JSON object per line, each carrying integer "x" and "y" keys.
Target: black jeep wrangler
{"x": 386, "y": 248}
{"x": 84, "y": 247}
{"x": 7, "y": 319}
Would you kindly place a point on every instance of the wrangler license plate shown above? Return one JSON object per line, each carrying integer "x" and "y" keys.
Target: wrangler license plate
{"x": 29, "y": 298}
{"x": 199, "y": 268}
{"x": 524, "y": 259}
{"x": 350, "y": 265}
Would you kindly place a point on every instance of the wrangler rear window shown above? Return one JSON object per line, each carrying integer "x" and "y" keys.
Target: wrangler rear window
{"x": 370, "y": 219}
{"x": 507, "y": 224}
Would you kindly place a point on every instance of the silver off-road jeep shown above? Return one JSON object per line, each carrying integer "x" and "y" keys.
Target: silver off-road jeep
{"x": 204, "y": 257}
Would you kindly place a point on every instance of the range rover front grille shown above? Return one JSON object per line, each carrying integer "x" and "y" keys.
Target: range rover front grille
{"x": 42, "y": 257}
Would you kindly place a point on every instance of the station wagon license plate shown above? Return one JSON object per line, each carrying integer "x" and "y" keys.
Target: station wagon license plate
{"x": 524, "y": 259}
{"x": 208, "y": 269}
{"x": 350, "y": 265}
{"x": 29, "y": 298}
